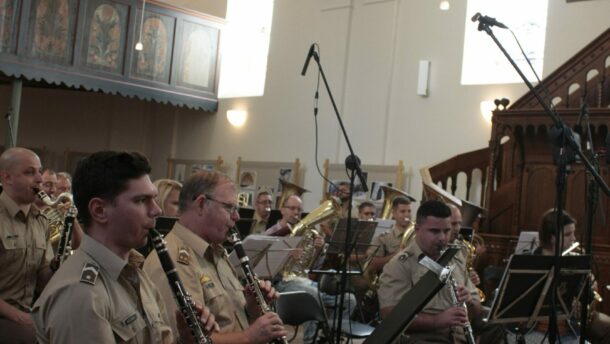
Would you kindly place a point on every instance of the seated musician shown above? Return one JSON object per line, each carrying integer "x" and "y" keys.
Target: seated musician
{"x": 262, "y": 210}
{"x": 100, "y": 294}
{"x": 298, "y": 280}
{"x": 440, "y": 321}
{"x": 387, "y": 244}
{"x": 208, "y": 209}
{"x": 168, "y": 192}
{"x": 599, "y": 327}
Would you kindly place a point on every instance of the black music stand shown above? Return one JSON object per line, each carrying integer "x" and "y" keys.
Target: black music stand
{"x": 411, "y": 304}
{"x": 246, "y": 213}
{"x": 274, "y": 216}
{"x": 524, "y": 292}
{"x": 244, "y": 226}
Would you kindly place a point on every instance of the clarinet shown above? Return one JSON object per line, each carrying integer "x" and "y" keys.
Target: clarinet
{"x": 185, "y": 303}
{"x": 467, "y": 328}
{"x": 66, "y": 234}
{"x": 251, "y": 279}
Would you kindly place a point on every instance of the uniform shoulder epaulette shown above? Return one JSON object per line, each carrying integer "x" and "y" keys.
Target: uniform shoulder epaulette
{"x": 183, "y": 256}
{"x": 89, "y": 273}
{"x": 385, "y": 233}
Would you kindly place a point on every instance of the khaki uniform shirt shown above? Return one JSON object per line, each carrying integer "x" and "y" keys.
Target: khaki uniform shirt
{"x": 24, "y": 251}
{"x": 98, "y": 297}
{"x": 259, "y": 226}
{"x": 388, "y": 242}
{"x": 207, "y": 276}
{"x": 403, "y": 271}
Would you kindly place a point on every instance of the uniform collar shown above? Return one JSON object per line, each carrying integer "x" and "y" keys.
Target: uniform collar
{"x": 106, "y": 259}
{"x": 258, "y": 218}
{"x": 191, "y": 239}
{"x": 12, "y": 207}
{"x": 414, "y": 250}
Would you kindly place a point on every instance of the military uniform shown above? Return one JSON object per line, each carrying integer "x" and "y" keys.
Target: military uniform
{"x": 259, "y": 226}
{"x": 207, "y": 276}
{"x": 24, "y": 251}
{"x": 388, "y": 242}
{"x": 98, "y": 297}
{"x": 402, "y": 273}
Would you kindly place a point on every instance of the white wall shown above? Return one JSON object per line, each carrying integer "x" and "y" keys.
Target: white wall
{"x": 370, "y": 52}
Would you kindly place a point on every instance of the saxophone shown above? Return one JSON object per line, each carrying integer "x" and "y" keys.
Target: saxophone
{"x": 185, "y": 303}
{"x": 472, "y": 254}
{"x": 60, "y": 225}
{"x": 251, "y": 279}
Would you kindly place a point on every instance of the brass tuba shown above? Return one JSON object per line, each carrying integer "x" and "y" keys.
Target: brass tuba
{"x": 289, "y": 189}
{"x": 295, "y": 267}
{"x": 389, "y": 194}
{"x": 55, "y": 211}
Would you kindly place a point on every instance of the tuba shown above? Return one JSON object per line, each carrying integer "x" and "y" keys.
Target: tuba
{"x": 289, "y": 189}
{"x": 295, "y": 267}
{"x": 389, "y": 194}
{"x": 55, "y": 212}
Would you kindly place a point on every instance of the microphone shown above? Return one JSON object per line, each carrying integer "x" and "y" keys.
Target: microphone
{"x": 309, "y": 55}
{"x": 487, "y": 20}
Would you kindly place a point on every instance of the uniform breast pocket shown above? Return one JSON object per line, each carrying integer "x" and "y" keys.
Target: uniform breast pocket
{"x": 127, "y": 325}
{"x": 13, "y": 249}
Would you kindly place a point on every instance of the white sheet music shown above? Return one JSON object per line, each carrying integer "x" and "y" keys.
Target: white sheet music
{"x": 527, "y": 243}
{"x": 383, "y": 226}
{"x": 267, "y": 254}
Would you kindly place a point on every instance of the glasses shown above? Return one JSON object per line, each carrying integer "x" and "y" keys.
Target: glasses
{"x": 294, "y": 208}
{"x": 264, "y": 202}
{"x": 231, "y": 208}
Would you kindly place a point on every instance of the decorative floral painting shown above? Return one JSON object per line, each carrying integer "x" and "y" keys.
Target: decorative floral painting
{"x": 8, "y": 9}
{"x": 51, "y": 30}
{"x": 107, "y": 22}
{"x": 153, "y": 62}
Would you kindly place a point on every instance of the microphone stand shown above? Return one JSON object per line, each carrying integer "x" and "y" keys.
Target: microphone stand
{"x": 564, "y": 138}
{"x": 352, "y": 163}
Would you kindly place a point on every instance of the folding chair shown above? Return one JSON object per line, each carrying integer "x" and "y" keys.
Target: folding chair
{"x": 297, "y": 307}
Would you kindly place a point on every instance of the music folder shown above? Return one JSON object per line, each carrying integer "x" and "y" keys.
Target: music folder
{"x": 267, "y": 254}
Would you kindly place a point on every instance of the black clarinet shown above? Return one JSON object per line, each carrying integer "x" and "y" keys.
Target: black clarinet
{"x": 185, "y": 303}
{"x": 251, "y": 279}
{"x": 66, "y": 234}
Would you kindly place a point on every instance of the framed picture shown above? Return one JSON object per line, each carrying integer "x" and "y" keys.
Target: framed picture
{"x": 181, "y": 169}
{"x": 105, "y": 36}
{"x": 247, "y": 179}
{"x": 51, "y": 30}
{"x": 199, "y": 54}
{"x": 153, "y": 62}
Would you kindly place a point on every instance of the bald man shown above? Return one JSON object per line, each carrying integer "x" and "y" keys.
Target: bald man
{"x": 25, "y": 254}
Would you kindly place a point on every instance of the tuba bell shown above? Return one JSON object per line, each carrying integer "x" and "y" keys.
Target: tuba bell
{"x": 295, "y": 267}
{"x": 289, "y": 189}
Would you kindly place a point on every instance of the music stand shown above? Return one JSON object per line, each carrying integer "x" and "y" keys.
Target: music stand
{"x": 246, "y": 213}
{"x": 274, "y": 216}
{"x": 244, "y": 226}
{"x": 361, "y": 239}
{"x": 524, "y": 291}
{"x": 527, "y": 242}
{"x": 267, "y": 254}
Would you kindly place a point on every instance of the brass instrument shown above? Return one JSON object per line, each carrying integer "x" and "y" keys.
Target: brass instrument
{"x": 477, "y": 240}
{"x": 289, "y": 189}
{"x": 57, "y": 211}
{"x": 575, "y": 249}
{"x": 389, "y": 193}
{"x": 295, "y": 267}
{"x": 251, "y": 279}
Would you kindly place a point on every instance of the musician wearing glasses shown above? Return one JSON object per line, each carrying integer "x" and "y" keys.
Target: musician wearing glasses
{"x": 262, "y": 210}
{"x": 441, "y": 320}
{"x": 291, "y": 214}
{"x": 64, "y": 182}
{"x": 25, "y": 253}
{"x": 100, "y": 294}
{"x": 208, "y": 209}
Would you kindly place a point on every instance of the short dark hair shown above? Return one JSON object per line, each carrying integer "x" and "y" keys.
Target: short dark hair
{"x": 549, "y": 225}
{"x": 200, "y": 183}
{"x": 398, "y": 200}
{"x": 105, "y": 175}
{"x": 432, "y": 208}
{"x": 365, "y": 204}
{"x": 262, "y": 193}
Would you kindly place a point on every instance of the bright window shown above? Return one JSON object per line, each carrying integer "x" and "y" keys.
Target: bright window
{"x": 483, "y": 61}
{"x": 244, "y": 48}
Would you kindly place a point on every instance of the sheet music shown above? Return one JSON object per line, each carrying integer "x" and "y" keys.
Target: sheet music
{"x": 383, "y": 226}
{"x": 527, "y": 242}
{"x": 267, "y": 254}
